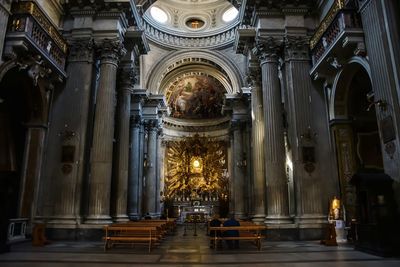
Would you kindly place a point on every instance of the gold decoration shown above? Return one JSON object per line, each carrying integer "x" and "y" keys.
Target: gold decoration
{"x": 196, "y": 168}
{"x": 333, "y": 11}
{"x": 32, "y": 8}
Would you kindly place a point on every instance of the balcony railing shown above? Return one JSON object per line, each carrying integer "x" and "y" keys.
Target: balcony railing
{"x": 346, "y": 21}
{"x": 29, "y": 26}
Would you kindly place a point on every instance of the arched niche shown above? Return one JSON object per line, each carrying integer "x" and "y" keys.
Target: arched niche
{"x": 216, "y": 64}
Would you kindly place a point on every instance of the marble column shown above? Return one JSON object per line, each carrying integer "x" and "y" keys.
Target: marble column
{"x": 31, "y": 170}
{"x": 103, "y": 133}
{"x": 126, "y": 78}
{"x": 276, "y": 182}
{"x": 134, "y": 184}
{"x": 258, "y": 137}
{"x": 238, "y": 170}
{"x": 306, "y": 174}
{"x": 150, "y": 176}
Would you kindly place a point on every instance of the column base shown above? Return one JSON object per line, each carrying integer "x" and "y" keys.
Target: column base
{"x": 258, "y": 219}
{"x": 278, "y": 220}
{"x": 240, "y": 215}
{"x": 134, "y": 216}
{"x": 313, "y": 219}
{"x": 98, "y": 219}
{"x": 67, "y": 220}
{"x": 121, "y": 218}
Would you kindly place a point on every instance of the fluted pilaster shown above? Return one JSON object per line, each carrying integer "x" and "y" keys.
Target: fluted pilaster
{"x": 134, "y": 178}
{"x": 258, "y": 136}
{"x": 72, "y": 131}
{"x": 124, "y": 107}
{"x": 102, "y": 149}
{"x": 276, "y": 182}
{"x": 309, "y": 203}
{"x": 238, "y": 179}
{"x": 150, "y": 175}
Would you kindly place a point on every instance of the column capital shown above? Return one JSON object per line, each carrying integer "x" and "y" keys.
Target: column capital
{"x": 254, "y": 77}
{"x": 136, "y": 121}
{"x": 127, "y": 80}
{"x": 268, "y": 49}
{"x": 81, "y": 50}
{"x": 151, "y": 124}
{"x": 110, "y": 50}
{"x": 297, "y": 48}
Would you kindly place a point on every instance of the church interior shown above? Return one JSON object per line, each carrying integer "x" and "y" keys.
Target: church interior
{"x": 282, "y": 113}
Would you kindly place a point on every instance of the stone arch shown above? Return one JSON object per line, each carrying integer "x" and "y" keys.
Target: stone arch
{"x": 215, "y": 61}
{"x": 340, "y": 88}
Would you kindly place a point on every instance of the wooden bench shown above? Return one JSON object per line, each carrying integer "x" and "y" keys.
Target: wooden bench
{"x": 246, "y": 232}
{"x": 130, "y": 235}
{"x": 161, "y": 226}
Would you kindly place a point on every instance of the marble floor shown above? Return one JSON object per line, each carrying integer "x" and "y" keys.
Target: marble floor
{"x": 190, "y": 250}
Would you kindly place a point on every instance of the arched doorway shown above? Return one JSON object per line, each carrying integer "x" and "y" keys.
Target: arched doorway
{"x": 355, "y": 131}
{"x": 22, "y": 122}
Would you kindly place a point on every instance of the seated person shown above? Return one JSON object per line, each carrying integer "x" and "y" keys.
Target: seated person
{"x": 232, "y": 233}
{"x": 215, "y": 222}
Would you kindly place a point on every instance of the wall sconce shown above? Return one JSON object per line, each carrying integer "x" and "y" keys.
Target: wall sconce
{"x": 308, "y": 136}
{"x": 382, "y": 104}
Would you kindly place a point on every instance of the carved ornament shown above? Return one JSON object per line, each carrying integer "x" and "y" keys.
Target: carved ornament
{"x": 333, "y": 11}
{"x": 110, "y": 49}
{"x": 81, "y": 49}
{"x": 296, "y": 47}
{"x": 268, "y": 49}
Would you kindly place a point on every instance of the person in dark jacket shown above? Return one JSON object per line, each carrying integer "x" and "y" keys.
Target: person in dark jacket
{"x": 215, "y": 222}
{"x": 232, "y": 233}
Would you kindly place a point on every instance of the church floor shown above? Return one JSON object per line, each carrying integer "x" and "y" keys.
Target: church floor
{"x": 189, "y": 250}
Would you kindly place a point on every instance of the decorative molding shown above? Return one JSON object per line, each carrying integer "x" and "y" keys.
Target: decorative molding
{"x": 217, "y": 41}
{"x": 331, "y": 15}
{"x": 36, "y": 68}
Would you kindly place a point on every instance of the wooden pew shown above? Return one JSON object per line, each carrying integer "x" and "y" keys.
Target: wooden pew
{"x": 246, "y": 232}
{"x": 130, "y": 235}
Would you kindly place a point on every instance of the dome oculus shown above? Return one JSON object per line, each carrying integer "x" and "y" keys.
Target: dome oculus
{"x": 230, "y": 14}
{"x": 158, "y": 14}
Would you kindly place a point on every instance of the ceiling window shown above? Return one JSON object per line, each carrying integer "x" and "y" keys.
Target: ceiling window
{"x": 158, "y": 14}
{"x": 230, "y": 14}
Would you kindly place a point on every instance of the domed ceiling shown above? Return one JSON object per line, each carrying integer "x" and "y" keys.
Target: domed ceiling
{"x": 192, "y": 17}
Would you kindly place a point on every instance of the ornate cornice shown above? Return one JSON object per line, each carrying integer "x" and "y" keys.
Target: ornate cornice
{"x": 217, "y": 40}
{"x": 105, "y": 8}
